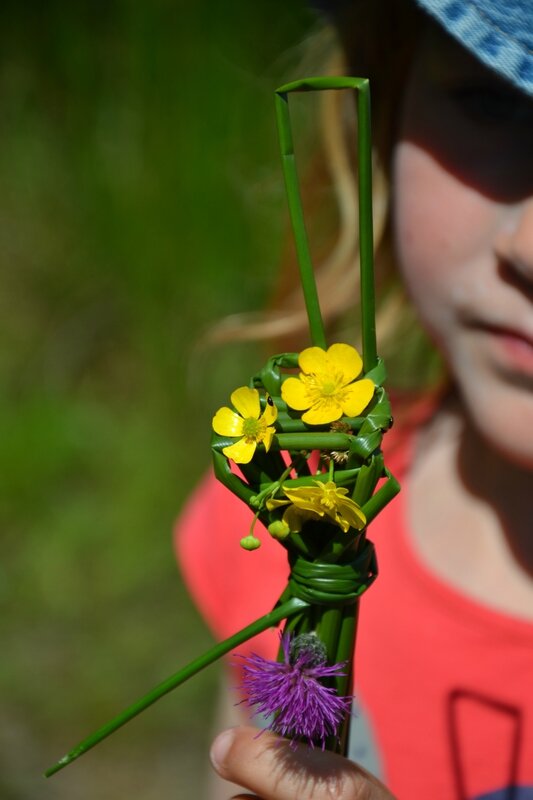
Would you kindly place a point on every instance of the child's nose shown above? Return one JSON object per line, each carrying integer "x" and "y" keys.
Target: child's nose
{"x": 515, "y": 242}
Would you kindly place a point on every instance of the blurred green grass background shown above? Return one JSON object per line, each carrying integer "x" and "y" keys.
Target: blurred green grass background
{"x": 140, "y": 200}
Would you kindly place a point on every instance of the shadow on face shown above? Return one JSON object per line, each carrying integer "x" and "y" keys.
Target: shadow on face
{"x": 474, "y": 124}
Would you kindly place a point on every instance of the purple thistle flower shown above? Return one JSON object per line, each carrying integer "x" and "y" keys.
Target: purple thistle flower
{"x": 291, "y": 692}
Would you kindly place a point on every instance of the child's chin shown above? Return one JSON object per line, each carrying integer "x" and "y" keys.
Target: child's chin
{"x": 504, "y": 418}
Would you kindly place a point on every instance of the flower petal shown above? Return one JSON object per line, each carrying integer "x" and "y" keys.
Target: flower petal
{"x": 267, "y": 440}
{"x": 344, "y": 359}
{"x": 273, "y": 503}
{"x": 314, "y": 491}
{"x": 227, "y": 423}
{"x": 308, "y": 505}
{"x": 357, "y": 396}
{"x": 270, "y": 414}
{"x": 306, "y": 497}
{"x": 313, "y": 360}
{"x": 241, "y": 452}
{"x": 295, "y": 517}
{"x": 246, "y": 401}
{"x": 295, "y": 394}
{"x": 326, "y": 409}
{"x": 351, "y": 512}
{"x": 338, "y": 519}
{"x": 339, "y": 491}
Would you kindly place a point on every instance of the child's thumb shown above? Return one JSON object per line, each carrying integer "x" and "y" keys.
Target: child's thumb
{"x": 268, "y": 766}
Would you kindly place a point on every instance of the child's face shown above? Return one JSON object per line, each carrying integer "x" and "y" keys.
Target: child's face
{"x": 463, "y": 207}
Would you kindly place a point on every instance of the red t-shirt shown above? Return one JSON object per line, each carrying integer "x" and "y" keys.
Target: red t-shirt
{"x": 445, "y": 683}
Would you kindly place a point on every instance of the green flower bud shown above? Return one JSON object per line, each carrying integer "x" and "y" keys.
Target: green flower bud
{"x": 279, "y": 530}
{"x": 250, "y": 542}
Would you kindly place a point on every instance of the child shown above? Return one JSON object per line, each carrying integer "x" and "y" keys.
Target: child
{"x": 444, "y": 669}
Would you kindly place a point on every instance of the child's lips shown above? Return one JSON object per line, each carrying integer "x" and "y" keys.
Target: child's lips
{"x": 513, "y": 348}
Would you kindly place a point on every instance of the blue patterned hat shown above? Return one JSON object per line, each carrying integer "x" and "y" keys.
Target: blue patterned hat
{"x": 498, "y": 32}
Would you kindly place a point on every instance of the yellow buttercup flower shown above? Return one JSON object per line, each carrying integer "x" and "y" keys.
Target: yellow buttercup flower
{"x": 319, "y": 501}
{"x": 246, "y": 423}
{"x": 326, "y": 387}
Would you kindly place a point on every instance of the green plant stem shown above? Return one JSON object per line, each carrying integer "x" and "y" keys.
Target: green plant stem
{"x": 316, "y": 326}
{"x": 366, "y": 234}
{"x": 345, "y": 651}
{"x": 336, "y": 628}
{"x": 320, "y": 440}
{"x": 328, "y": 628}
{"x": 381, "y": 498}
{"x": 271, "y": 619}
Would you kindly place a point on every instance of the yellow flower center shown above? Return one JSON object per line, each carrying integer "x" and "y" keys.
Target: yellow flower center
{"x": 329, "y": 497}
{"x": 253, "y": 429}
{"x": 323, "y": 386}
{"x": 329, "y": 388}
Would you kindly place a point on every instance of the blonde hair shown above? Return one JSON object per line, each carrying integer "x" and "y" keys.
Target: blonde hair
{"x": 385, "y": 59}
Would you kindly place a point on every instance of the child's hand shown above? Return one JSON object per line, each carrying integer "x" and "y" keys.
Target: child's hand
{"x": 268, "y": 766}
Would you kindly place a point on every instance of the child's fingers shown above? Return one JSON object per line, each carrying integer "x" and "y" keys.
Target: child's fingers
{"x": 268, "y": 766}
{"x": 245, "y": 797}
